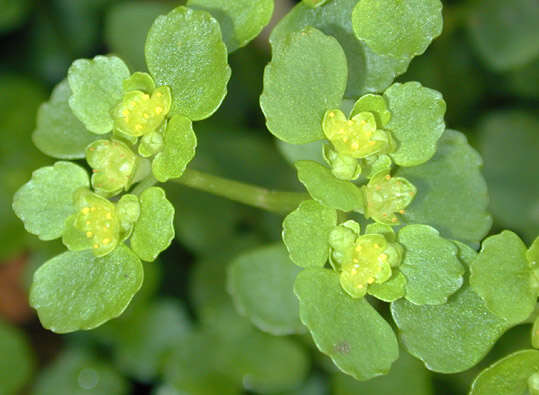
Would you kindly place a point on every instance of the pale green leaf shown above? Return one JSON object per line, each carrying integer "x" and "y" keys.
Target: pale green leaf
{"x": 154, "y": 229}
{"x": 328, "y": 190}
{"x": 97, "y": 87}
{"x": 46, "y": 201}
{"x": 451, "y": 337}
{"x": 76, "y": 290}
{"x": 508, "y": 376}
{"x": 76, "y": 372}
{"x": 16, "y": 360}
{"x": 294, "y": 152}
{"x": 391, "y": 290}
{"x": 184, "y": 51}
{"x": 306, "y": 77}
{"x": 306, "y": 233}
{"x": 350, "y": 331}
{"x": 369, "y": 72}
{"x": 510, "y": 173}
{"x": 402, "y": 29}
{"x": 431, "y": 266}
{"x": 261, "y": 283}
{"x": 375, "y": 104}
{"x": 240, "y": 20}
{"x": 417, "y": 121}
{"x": 501, "y": 275}
{"x": 59, "y": 133}
{"x": 505, "y": 33}
{"x": 452, "y": 193}
{"x": 179, "y": 148}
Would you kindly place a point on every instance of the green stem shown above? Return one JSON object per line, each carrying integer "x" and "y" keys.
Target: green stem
{"x": 270, "y": 200}
{"x": 147, "y": 182}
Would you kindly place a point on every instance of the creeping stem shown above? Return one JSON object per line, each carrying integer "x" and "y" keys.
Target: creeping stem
{"x": 266, "y": 199}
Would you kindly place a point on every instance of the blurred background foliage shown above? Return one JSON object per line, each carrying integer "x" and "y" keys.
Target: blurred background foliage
{"x": 182, "y": 334}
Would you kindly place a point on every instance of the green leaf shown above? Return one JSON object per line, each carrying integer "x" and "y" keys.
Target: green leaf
{"x": 535, "y": 333}
{"x": 59, "y": 133}
{"x": 505, "y": 33}
{"x": 76, "y": 290}
{"x": 179, "y": 148}
{"x": 97, "y": 87}
{"x": 261, "y": 282}
{"x": 369, "y": 72}
{"x": 396, "y": 28}
{"x": 508, "y": 376}
{"x": 154, "y": 229}
{"x": 374, "y": 104}
{"x": 307, "y": 76}
{"x": 126, "y": 26}
{"x": 16, "y": 360}
{"x": 76, "y": 372}
{"x": 240, "y": 20}
{"x": 407, "y": 376}
{"x": 350, "y": 331}
{"x": 430, "y": 265}
{"x": 295, "y": 152}
{"x": 306, "y": 233}
{"x": 451, "y": 337}
{"x": 417, "y": 121}
{"x": 184, "y": 50}
{"x": 391, "y": 290}
{"x": 514, "y": 199}
{"x": 315, "y": 3}
{"x": 328, "y": 190}
{"x": 502, "y": 276}
{"x": 445, "y": 185}
{"x": 46, "y": 201}
{"x": 13, "y": 14}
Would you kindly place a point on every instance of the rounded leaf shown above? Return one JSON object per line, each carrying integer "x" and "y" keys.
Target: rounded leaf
{"x": 154, "y": 229}
{"x": 350, "y": 331}
{"x": 374, "y": 104}
{"x": 402, "y": 29}
{"x": 184, "y": 50}
{"x": 417, "y": 121}
{"x": 502, "y": 276}
{"x": 240, "y": 20}
{"x": 391, "y": 290}
{"x": 59, "y": 133}
{"x": 307, "y": 76}
{"x": 328, "y": 190}
{"x": 369, "y": 72}
{"x": 76, "y": 290}
{"x": 46, "y": 201}
{"x": 452, "y": 193}
{"x": 97, "y": 86}
{"x": 179, "y": 146}
{"x": 509, "y": 376}
{"x": 306, "y": 233}
{"x": 431, "y": 266}
{"x": 261, "y": 283}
